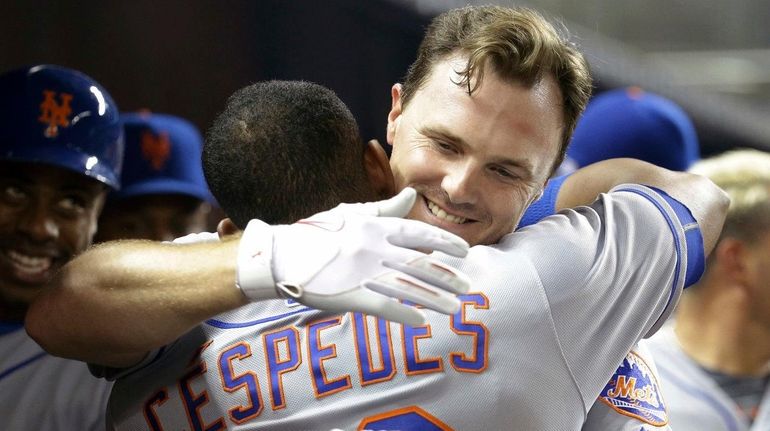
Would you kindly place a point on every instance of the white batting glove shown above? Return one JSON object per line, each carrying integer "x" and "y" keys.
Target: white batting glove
{"x": 355, "y": 257}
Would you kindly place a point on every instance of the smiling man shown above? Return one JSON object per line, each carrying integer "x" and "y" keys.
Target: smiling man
{"x": 163, "y": 194}
{"x": 61, "y": 149}
{"x": 478, "y": 162}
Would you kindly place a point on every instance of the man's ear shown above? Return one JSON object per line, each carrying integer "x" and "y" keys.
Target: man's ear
{"x": 395, "y": 112}
{"x": 226, "y": 227}
{"x": 378, "y": 170}
{"x": 731, "y": 255}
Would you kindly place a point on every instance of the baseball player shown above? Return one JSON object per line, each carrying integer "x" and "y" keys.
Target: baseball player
{"x": 124, "y": 396}
{"x": 714, "y": 357}
{"x": 61, "y": 149}
{"x": 291, "y": 367}
{"x": 163, "y": 195}
{"x": 630, "y": 122}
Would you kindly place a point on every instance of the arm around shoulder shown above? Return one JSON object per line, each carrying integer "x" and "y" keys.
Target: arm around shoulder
{"x": 119, "y": 300}
{"x": 707, "y": 202}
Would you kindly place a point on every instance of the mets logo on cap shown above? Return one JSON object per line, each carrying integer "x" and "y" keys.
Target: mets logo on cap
{"x": 55, "y": 114}
{"x": 156, "y": 149}
{"x": 634, "y": 391}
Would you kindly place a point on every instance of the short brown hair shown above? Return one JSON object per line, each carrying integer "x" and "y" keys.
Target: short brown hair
{"x": 518, "y": 43}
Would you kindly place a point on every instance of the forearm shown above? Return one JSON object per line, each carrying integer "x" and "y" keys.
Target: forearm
{"x": 117, "y": 301}
{"x": 707, "y": 202}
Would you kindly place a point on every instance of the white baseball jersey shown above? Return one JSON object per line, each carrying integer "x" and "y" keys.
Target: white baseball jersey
{"x": 44, "y": 393}
{"x": 554, "y": 309}
{"x": 695, "y": 400}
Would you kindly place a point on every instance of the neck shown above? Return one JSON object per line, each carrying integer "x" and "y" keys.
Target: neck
{"x": 716, "y": 330}
{"x": 10, "y": 314}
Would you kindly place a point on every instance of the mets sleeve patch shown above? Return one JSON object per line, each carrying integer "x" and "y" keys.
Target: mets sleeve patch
{"x": 634, "y": 391}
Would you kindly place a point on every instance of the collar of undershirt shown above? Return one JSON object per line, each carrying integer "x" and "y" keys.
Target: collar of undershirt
{"x": 746, "y": 391}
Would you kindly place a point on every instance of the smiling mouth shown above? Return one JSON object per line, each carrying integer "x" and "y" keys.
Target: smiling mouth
{"x": 31, "y": 265}
{"x": 440, "y": 213}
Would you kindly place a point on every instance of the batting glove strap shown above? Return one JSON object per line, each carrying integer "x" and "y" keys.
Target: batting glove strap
{"x": 255, "y": 256}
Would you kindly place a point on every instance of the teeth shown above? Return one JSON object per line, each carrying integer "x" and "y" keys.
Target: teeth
{"x": 30, "y": 263}
{"x": 440, "y": 213}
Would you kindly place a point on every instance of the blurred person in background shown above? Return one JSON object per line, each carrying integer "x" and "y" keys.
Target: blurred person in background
{"x": 632, "y": 123}
{"x": 164, "y": 195}
{"x": 715, "y": 356}
{"x": 61, "y": 149}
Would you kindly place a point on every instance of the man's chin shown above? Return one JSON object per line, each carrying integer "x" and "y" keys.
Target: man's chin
{"x": 15, "y": 302}
{"x": 16, "y": 294}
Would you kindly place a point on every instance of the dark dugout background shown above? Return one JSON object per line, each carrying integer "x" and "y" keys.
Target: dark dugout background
{"x": 187, "y": 57}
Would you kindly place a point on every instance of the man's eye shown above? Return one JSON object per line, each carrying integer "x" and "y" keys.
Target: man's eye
{"x": 72, "y": 203}
{"x": 503, "y": 173}
{"x": 445, "y": 146}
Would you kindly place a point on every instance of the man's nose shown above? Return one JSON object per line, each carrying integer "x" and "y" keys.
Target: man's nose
{"x": 38, "y": 222}
{"x": 461, "y": 183}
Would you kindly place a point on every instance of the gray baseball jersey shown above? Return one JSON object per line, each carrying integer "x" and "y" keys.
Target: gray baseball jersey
{"x": 42, "y": 392}
{"x": 555, "y": 308}
{"x": 695, "y": 401}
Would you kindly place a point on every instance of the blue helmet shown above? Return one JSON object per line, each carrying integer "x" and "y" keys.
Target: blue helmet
{"x": 61, "y": 117}
{"x": 163, "y": 156}
{"x": 631, "y": 122}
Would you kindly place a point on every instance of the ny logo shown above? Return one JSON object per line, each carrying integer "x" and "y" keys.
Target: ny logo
{"x": 156, "y": 149}
{"x": 55, "y": 114}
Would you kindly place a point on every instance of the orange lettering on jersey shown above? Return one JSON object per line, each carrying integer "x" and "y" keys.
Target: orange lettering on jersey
{"x": 156, "y": 149}
{"x": 623, "y": 388}
{"x": 367, "y": 371}
{"x": 633, "y": 391}
{"x": 413, "y": 364}
{"x": 627, "y": 389}
{"x": 194, "y": 402}
{"x": 54, "y": 114}
{"x": 317, "y": 354}
{"x": 278, "y": 364}
{"x": 246, "y": 381}
{"x": 416, "y": 417}
{"x": 157, "y": 399}
{"x": 478, "y": 360}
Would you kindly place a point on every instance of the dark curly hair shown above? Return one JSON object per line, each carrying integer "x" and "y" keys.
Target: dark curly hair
{"x": 284, "y": 150}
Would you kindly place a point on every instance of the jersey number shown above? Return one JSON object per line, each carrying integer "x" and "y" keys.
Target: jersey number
{"x": 410, "y": 418}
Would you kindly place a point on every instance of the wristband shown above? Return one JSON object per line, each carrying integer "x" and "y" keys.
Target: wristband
{"x": 255, "y": 254}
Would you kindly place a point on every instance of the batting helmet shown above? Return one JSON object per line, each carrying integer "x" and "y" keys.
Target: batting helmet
{"x": 59, "y": 116}
{"x": 163, "y": 156}
{"x": 631, "y": 122}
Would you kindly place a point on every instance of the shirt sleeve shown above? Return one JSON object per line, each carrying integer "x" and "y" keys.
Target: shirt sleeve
{"x": 112, "y": 374}
{"x": 544, "y": 206}
{"x": 612, "y": 272}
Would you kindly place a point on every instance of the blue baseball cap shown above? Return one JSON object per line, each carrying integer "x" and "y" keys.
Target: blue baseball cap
{"x": 630, "y": 122}
{"x": 163, "y": 156}
{"x": 59, "y": 116}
